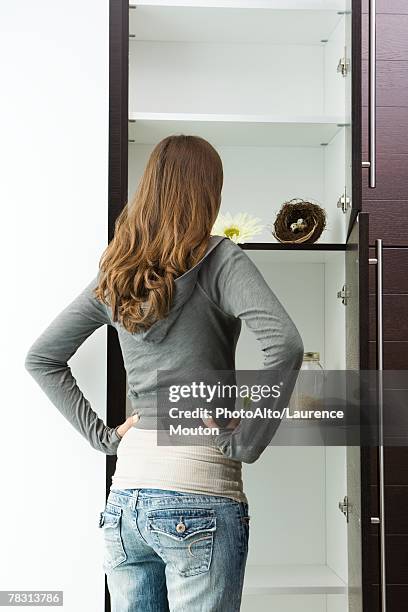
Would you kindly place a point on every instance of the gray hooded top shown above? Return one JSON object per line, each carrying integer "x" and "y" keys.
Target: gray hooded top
{"x": 211, "y": 300}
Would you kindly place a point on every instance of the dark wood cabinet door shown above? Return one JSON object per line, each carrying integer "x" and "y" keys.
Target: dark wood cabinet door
{"x": 388, "y": 202}
{"x": 357, "y": 253}
{"x": 388, "y": 209}
{"x": 117, "y": 198}
{"x": 353, "y": 151}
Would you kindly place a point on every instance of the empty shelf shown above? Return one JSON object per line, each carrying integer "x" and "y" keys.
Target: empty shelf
{"x": 235, "y": 130}
{"x": 295, "y": 579}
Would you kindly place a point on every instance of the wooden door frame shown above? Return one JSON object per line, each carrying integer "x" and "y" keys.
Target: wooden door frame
{"x": 356, "y": 112}
{"x": 117, "y": 198}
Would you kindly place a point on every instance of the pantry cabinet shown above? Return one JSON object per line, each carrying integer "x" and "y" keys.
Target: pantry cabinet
{"x": 276, "y": 87}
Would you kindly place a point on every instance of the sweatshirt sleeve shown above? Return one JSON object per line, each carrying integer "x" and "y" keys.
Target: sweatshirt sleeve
{"x": 47, "y": 362}
{"x": 236, "y": 285}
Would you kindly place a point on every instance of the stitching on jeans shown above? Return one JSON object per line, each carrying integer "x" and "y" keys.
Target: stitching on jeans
{"x": 195, "y": 542}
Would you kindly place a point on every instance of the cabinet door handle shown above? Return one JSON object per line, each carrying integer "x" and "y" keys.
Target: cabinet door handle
{"x": 372, "y": 82}
{"x": 380, "y": 520}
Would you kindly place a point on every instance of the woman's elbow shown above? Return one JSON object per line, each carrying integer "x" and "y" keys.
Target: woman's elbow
{"x": 36, "y": 358}
{"x": 30, "y": 361}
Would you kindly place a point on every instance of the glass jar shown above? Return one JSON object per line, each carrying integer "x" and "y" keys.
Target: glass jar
{"x": 308, "y": 390}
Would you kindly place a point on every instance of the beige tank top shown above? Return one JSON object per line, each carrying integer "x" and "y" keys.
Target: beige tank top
{"x": 141, "y": 463}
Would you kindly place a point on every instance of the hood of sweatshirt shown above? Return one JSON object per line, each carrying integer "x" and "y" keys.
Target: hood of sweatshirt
{"x": 184, "y": 287}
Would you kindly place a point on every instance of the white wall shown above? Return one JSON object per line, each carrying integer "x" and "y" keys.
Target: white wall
{"x": 54, "y": 219}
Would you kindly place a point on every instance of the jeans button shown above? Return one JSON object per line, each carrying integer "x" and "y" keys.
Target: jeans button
{"x": 180, "y": 528}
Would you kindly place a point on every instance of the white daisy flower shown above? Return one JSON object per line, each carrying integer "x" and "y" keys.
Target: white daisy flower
{"x": 238, "y": 228}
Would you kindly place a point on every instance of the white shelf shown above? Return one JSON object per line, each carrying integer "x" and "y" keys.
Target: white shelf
{"x": 243, "y": 22}
{"x": 235, "y": 130}
{"x": 258, "y": 4}
{"x": 292, "y": 579}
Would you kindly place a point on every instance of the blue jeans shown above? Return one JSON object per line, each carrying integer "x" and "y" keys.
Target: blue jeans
{"x": 172, "y": 551}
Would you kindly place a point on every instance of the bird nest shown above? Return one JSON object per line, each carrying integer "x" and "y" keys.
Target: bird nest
{"x": 299, "y": 221}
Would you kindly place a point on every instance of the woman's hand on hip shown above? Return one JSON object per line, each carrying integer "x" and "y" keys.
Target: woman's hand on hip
{"x": 130, "y": 421}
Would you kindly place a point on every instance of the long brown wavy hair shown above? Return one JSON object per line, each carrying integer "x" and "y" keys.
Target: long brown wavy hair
{"x": 162, "y": 232}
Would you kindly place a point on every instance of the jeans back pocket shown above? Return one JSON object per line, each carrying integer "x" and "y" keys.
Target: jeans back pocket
{"x": 111, "y": 522}
{"x": 184, "y": 537}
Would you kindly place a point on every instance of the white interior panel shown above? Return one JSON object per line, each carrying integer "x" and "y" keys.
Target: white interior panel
{"x": 337, "y": 603}
{"x": 334, "y": 81}
{"x": 294, "y": 603}
{"x": 300, "y": 288}
{"x": 286, "y": 492}
{"x": 314, "y": 498}
{"x": 334, "y": 313}
{"x": 276, "y": 480}
{"x": 336, "y": 524}
{"x": 334, "y": 186}
{"x": 226, "y": 78}
{"x": 284, "y": 603}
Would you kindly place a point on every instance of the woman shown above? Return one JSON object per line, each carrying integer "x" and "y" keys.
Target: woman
{"x": 176, "y": 520}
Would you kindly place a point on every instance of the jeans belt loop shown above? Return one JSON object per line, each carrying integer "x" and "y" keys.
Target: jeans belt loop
{"x": 134, "y": 500}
